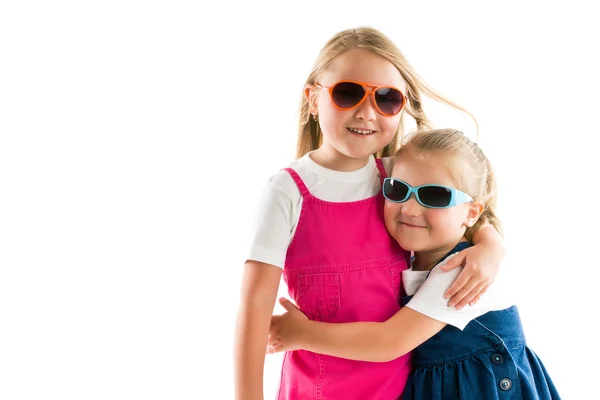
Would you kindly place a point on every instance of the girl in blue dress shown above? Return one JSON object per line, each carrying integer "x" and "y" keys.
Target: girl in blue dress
{"x": 440, "y": 192}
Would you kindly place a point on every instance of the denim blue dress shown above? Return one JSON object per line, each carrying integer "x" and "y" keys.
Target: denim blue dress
{"x": 489, "y": 359}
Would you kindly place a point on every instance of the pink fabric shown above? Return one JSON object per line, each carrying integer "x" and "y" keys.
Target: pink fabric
{"x": 342, "y": 266}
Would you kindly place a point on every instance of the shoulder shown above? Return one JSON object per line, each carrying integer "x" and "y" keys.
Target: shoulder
{"x": 282, "y": 182}
{"x": 309, "y": 172}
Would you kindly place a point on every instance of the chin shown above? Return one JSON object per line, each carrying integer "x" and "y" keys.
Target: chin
{"x": 408, "y": 243}
{"x": 357, "y": 153}
{"x": 360, "y": 150}
{"x": 411, "y": 246}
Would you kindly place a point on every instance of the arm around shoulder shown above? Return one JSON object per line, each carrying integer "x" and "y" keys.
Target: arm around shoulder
{"x": 491, "y": 238}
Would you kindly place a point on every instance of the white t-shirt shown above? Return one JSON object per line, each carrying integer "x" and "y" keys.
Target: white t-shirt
{"x": 429, "y": 298}
{"x": 280, "y": 202}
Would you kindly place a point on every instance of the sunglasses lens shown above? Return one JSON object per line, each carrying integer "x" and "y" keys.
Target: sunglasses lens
{"x": 389, "y": 100}
{"x": 435, "y": 196}
{"x": 347, "y": 94}
{"x": 394, "y": 190}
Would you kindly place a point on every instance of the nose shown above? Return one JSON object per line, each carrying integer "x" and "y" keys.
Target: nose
{"x": 411, "y": 207}
{"x": 366, "y": 111}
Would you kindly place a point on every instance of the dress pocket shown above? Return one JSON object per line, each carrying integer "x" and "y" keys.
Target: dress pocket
{"x": 319, "y": 295}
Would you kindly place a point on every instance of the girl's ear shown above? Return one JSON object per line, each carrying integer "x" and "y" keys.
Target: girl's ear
{"x": 310, "y": 92}
{"x": 475, "y": 210}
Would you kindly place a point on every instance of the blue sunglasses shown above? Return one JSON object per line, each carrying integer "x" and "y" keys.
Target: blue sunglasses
{"x": 431, "y": 196}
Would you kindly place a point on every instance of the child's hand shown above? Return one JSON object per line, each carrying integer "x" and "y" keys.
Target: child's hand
{"x": 481, "y": 268}
{"x": 286, "y": 330}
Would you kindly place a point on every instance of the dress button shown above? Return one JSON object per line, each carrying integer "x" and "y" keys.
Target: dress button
{"x": 505, "y": 384}
{"x": 497, "y": 359}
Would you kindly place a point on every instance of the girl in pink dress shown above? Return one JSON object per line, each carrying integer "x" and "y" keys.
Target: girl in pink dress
{"x": 320, "y": 224}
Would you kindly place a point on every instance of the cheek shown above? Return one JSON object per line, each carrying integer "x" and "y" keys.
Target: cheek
{"x": 389, "y": 126}
{"x": 444, "y": 221}
{"x": 330, "y": 118}
{"x": 389, "y": 212}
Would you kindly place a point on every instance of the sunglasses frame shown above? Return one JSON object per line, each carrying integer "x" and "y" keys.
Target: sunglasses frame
{"x": 456, "y": 196}
{"x": 365, "y": 87}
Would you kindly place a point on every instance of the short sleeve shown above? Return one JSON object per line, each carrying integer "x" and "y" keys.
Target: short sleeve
{"x": 429, "y": 300}
{"x": 271, "y": 231}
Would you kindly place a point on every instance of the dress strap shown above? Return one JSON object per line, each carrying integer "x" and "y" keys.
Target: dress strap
{"x": 381, "y": 168}
{"x": 299, "y": 182}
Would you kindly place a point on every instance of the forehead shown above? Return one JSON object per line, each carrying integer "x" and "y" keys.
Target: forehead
{"x": 363, "y": 66}
{"x": 425, "y": 168}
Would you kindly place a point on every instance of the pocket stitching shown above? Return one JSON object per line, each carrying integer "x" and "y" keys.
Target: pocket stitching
{"x": 331, "y": 305}
{"x": 396, "y": 272}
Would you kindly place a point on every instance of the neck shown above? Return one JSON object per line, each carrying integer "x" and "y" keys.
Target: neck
{"x": 426, "y": 260}
{"x": 328, "y": 157}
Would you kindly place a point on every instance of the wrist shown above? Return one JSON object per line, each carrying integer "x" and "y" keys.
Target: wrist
{"x": 499, "y": 251}
{"x": 304, "y": 337}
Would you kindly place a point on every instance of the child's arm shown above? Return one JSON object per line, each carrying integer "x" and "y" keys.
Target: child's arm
{"x": 259, "y": 290}
{"x": 366, "y": 341}
{"x": 481, "y": 262}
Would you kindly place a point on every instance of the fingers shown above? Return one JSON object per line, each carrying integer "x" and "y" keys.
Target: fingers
{"x": 276, "y": 348}
{"x": 454, "y": 261}
{"x": 274, "y": 320}
{"x": 468, "y": 299}
{"x": 273, "y": 343}
{"x": 272, "y": 340}
{"x": 478, "y": 296}
{"x": 458, "y": 284}
{"x": 288, "y": 305}
{"x": 459, "y": 297}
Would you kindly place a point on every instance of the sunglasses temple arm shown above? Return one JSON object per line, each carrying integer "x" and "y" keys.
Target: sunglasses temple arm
{"x": 461, "y": 197}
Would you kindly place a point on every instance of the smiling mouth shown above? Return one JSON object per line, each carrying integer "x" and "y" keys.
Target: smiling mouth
{"x": 362, "y": 132}
{"x": 412, "y": 226}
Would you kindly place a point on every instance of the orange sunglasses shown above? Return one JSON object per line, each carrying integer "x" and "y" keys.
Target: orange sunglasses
{"x": 347, "y": 95}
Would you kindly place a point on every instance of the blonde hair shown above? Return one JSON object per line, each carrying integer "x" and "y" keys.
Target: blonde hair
{"x": 310, "y": 136}
{"x": 471, "y": 168}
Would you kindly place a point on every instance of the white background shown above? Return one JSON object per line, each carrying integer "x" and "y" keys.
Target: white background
{"x": 135, "y": 137}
